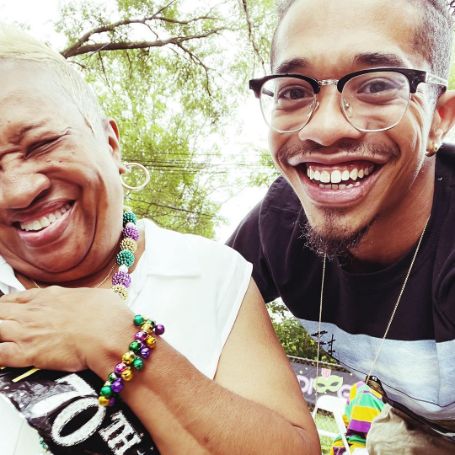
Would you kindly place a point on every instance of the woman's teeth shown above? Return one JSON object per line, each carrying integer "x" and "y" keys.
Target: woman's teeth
{"x": 45, "y": 221}
{"x": 337, "y": 176}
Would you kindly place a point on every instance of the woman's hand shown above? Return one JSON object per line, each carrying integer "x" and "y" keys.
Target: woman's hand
{"x": 60, "y": 328}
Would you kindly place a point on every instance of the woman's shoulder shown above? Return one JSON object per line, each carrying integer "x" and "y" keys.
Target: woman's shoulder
{"x": 185, "y": 246}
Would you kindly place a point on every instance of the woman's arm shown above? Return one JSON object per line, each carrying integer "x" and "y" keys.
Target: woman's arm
{"x": 254, "y": 405}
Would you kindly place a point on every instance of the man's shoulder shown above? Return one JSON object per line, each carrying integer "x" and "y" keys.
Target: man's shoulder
{"x": 281, "y": 197}
{"x": 446, "y": 158}
{"x": 274, "y": 214}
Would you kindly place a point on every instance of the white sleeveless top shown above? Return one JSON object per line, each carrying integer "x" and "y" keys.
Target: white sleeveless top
{"x": 192, "y": 285}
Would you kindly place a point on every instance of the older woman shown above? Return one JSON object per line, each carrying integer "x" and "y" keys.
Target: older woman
{"x": 80, "y": 278}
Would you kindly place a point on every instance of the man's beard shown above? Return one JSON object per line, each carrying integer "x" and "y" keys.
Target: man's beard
{"x": 333, "y": 242}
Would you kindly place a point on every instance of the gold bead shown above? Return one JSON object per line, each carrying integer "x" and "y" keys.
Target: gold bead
{"x": 128, "y": 357}
{"x": 103, "y": 401}
{"x": 146, "y": 327}
{"x": 150, "y": 342}
{"x": 127, "y": 374}
{"x": 120, "y": 290}
{"x": 128, "y": 244}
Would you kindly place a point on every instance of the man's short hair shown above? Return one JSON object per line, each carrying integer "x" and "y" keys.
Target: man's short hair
{"x": 17, "y": 46}
{"x": 433, "y": 37}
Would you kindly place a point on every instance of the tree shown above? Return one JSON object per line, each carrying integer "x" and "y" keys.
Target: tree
{"x": 168, "y": 72}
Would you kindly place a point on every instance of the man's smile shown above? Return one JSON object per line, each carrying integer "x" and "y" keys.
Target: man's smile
{"x": 339, "y": 177}
{"x": 337, "y": 185}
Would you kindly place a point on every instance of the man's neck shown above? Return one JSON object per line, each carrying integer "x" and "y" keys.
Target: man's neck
{"x": 394, "y": 234}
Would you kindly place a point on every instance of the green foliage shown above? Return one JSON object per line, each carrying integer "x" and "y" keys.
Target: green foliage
{"x": 293, "y": 337}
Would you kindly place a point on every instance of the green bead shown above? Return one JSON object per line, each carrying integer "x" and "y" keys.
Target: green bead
{"x": 135, "y": 346}
{"x": 125, "y": 257}
{"x": 106, "y": 391}
{"x": 129, "y": 217}
{"x": 138, "y": 363}
{"x": 112, "y": 377}
{"x": 138, "y": 320}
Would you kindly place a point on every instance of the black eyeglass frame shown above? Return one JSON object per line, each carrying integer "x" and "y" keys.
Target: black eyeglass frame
{"x": 414, "y": 77}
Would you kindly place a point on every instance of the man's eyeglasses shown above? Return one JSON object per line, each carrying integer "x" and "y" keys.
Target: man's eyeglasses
{"x": 373, "y": 99}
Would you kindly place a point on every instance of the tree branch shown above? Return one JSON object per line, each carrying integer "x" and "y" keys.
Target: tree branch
{"x": 116, "y": 46}
{"x": 111, "y": 27}
{"x": 187, "y": 22}
{"x": 251, "y": 39}
{"x": 194, "y": 58}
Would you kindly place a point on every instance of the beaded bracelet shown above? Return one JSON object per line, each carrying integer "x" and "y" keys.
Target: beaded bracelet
{"x": 139, "y": 350}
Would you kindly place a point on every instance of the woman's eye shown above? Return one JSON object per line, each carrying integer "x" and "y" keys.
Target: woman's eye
{"x": 40, "y": 146}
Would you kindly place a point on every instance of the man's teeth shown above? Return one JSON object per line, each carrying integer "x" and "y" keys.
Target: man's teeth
{"x": 337, "y": 175}
{"x": 45, "y": 221}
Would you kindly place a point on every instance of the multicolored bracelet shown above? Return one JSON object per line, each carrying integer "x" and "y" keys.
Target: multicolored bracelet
{"x": 139, "y": 350}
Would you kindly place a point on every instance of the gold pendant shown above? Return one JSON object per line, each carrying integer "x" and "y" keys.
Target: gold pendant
{"x": 374, "y": 383}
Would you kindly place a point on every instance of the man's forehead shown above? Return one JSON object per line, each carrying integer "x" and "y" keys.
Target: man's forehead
{"x": 377, "y": 32}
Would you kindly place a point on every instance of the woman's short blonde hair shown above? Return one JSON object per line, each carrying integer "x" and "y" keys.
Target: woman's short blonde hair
{"x": 16, "y": 45}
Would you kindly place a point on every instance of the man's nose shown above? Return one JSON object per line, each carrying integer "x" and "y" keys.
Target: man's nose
{"x": 18, "y": 189}
{"x": 328, "y": 124}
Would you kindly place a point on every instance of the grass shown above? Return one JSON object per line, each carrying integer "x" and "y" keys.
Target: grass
{"x": 326, "y": 422}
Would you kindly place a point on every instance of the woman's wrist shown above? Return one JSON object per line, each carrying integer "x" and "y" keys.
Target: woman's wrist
{"x": 133, "y": 359}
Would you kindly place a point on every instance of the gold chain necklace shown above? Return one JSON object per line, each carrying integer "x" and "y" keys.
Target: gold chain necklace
{"x": 96, "y": 285}
{"x": 370, "y": 380}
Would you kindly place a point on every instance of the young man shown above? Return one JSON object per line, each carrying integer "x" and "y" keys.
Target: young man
{"x": 357, "y": 235}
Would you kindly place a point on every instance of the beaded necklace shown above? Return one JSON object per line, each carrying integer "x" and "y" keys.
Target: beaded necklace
{"x": 125, "y": 258}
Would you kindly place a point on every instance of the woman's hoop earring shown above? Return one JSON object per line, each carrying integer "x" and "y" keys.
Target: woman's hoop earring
{"x": 141, "y": 186}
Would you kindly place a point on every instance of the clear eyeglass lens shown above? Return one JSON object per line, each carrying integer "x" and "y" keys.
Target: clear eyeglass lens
{"x": 370, "y": 102}
{"x": 375, "y": 101}
{"x": 287, "y": 103}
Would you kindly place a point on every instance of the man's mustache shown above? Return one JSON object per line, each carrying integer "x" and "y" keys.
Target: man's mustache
{"x": 368, "y": 150}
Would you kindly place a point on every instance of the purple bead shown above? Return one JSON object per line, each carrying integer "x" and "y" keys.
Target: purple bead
{"x": 159, "y": 329}
{"x": 141, "y": 335}
{"x": 145, "y": 352}
{"x": 121, "y": 278}
{"x": 131, "y": 231}
{"x": 119, "y": 368}
{"x": 111, "y": 401}
{"x": 117, "y": 385}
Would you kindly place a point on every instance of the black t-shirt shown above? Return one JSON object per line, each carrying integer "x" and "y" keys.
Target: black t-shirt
{"x": 417, "y": 360}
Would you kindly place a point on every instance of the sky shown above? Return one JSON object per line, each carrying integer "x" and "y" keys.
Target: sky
{"x": 39, "y": 16}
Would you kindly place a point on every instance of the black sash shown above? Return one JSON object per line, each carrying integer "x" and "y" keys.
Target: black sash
{"x": 63, "y": 408}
